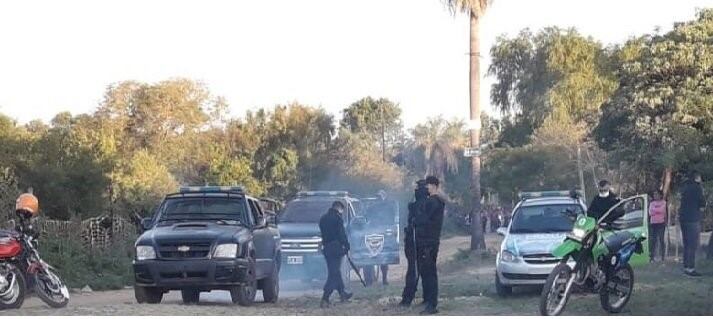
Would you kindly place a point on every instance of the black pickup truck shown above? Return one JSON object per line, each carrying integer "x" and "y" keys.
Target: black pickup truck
{"x": 208, "y": 238}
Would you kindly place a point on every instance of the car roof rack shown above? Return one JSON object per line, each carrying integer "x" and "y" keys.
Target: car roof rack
{"x": 574, "y": 194}
{"x": 323, "y": 194}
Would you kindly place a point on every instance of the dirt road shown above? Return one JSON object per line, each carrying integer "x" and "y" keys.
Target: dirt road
{"x": 466, "y": 288}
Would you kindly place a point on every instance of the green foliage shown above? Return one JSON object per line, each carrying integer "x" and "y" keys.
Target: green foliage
{"x": 661, "y": 114}
{"x": 553, "y": 73}
{"x": 142, "y": 182}
{"x": 99, "y": 269}
{"x": 374, "y": 117}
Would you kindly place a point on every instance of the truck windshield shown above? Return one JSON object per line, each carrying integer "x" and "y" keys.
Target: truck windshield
{"x": 544, "y": 219}
{"x": 305, "y": 211}
{"x": 226, "y": 210}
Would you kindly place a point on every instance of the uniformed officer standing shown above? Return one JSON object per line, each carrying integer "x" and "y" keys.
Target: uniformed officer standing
{"x": 428, "y": 224}
{"x": 335, "y": 246}
{"x": 409, "y": 292}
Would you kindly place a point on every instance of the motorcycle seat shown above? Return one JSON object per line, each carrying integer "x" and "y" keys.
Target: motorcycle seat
{"x": 617, "y": 240}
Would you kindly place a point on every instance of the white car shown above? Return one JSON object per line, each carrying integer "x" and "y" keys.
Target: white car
{"x": 540, "y": 222}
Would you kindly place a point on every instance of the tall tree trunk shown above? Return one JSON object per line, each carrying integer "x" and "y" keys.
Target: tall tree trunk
{"x": 477, "y": 239}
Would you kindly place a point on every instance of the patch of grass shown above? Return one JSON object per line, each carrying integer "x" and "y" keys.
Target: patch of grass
{"x": 104, "y": 269}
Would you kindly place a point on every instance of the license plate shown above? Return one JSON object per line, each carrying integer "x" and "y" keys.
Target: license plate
{"x": 295, "y": 260}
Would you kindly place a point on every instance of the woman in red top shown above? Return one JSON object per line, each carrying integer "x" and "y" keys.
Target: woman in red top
{"x": 657, "y": 225}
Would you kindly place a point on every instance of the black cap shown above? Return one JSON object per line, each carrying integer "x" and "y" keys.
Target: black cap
{"x": 338, "y": 204}
{"x": 603, "y": 183}
{"x": 432, "y": 180}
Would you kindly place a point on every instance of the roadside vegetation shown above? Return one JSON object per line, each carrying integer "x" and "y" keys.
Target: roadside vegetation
{"x": 639, "y": 112}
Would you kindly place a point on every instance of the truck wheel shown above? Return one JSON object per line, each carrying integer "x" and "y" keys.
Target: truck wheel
{"x": 244, "y": 294}
{"x": 271, "y": 286}
{"x": 500, "y": 288}
{"x": 148, "y": 295}
{"x": 190, "y": 296}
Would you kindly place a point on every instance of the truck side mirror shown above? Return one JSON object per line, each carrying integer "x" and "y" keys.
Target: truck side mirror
{"x": 502, "y": 231}
{"x": 146, "y": 224}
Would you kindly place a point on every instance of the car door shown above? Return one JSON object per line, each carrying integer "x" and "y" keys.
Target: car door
{"x": 262, "y": 240}
{"x": 633, "y": 217}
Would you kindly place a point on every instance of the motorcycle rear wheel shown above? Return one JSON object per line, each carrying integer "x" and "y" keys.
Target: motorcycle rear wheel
{"x": 16, "y": 293}
{"x": 618, "y": 289}
{"x": 50, "y": 288}
{"x": 553, "y": 298}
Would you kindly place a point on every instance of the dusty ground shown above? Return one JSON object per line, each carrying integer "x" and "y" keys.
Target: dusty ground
{"x": 466, "y": 288}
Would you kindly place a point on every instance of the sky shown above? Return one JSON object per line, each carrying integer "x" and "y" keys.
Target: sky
{"x": 61, "y": 55}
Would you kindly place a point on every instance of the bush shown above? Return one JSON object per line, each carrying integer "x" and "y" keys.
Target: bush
{"x": 100, "y": 269}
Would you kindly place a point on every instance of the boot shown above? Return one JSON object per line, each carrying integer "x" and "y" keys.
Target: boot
{"x": 404, "y": 304}
{"x": 430, "y": 310}
{"x": 345, "y": 296}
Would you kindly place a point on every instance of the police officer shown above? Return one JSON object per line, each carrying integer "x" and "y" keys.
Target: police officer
{"x": 419, "y": 203}
{"x": 335, "y": 246}
{"x": 429, "y": 222}
{"x": 603, "y": 202}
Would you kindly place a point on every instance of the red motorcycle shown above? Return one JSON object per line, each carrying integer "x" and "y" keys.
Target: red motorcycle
{"x": 22, "y": 270}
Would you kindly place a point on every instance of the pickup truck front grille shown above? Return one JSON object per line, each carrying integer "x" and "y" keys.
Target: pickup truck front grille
{"x": 184, "y": 250}
{"x": 301, "y": 245}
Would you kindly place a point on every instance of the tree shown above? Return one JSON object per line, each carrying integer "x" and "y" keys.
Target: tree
{"x": 660, "y": 119}
{"x": 379, "y": 118}
{"x": 475, "y": 9}
{"x": 142, "y": 182}
{"x": 553, "y": 73}
{"x": 440, "y": 144}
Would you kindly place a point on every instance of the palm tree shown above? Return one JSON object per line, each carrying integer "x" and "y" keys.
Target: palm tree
{"x": 440, "y": 142}
{"x": 475, "y": 9}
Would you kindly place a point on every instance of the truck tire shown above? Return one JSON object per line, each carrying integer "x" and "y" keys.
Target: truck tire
{"x": 271, "y": 286}
{"x": 190, "y": 296}
{"x": 148, "y": 295}
{"x": 244, "y": 294}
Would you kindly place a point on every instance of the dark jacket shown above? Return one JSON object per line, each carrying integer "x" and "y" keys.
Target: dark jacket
{"x": 334, "y": 236}
{"x": 429, "y": 221}
{"x": 601, "y": 205}
{"x": 692, "y": 201}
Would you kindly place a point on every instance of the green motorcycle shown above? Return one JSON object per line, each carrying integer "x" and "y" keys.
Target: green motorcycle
{"x": 597, "y": 256}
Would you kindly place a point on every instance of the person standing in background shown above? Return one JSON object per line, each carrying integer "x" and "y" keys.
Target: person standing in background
{"x": 657, "y": 225}
{"x": 690, "y": 216}
{"x": 429, "y": 223}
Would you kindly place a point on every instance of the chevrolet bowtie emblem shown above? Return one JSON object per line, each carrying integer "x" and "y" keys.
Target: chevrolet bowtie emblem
{"x": 183, "y": 249}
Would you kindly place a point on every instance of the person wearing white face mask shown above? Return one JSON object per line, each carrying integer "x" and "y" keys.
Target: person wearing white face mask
{"x": 603, "y": 202}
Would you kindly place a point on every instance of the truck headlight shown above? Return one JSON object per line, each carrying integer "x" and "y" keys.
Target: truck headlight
{"x": 145, "y": 253}
{"x": 507, "y": 256}
{"x": 226, "y": 251}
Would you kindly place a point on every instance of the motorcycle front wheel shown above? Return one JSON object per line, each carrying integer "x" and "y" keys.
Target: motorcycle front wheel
{"x": 554, "y": 294}
{"x": 617, "y": 291}
{"x": 13, "y": 294}
{"x": 50, "y": 288}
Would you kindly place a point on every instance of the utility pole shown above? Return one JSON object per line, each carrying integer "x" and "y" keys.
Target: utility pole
{"x": 383, "y": 133}
{"x": 581, "y": 172}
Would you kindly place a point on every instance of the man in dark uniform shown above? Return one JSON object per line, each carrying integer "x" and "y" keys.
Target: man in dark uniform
{"x": 429, "y": 222}
{"x": 603, "y": 202}
{"x": 336, "y": 245}
{"x": 419, "y": 203}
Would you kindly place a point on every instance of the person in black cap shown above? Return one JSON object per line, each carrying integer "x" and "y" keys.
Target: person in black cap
{"x": 419, "y": 203}
{"x": 336, "y": 245}
{"x": 603, "y": 202}
{"x": 428, "y": 224}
